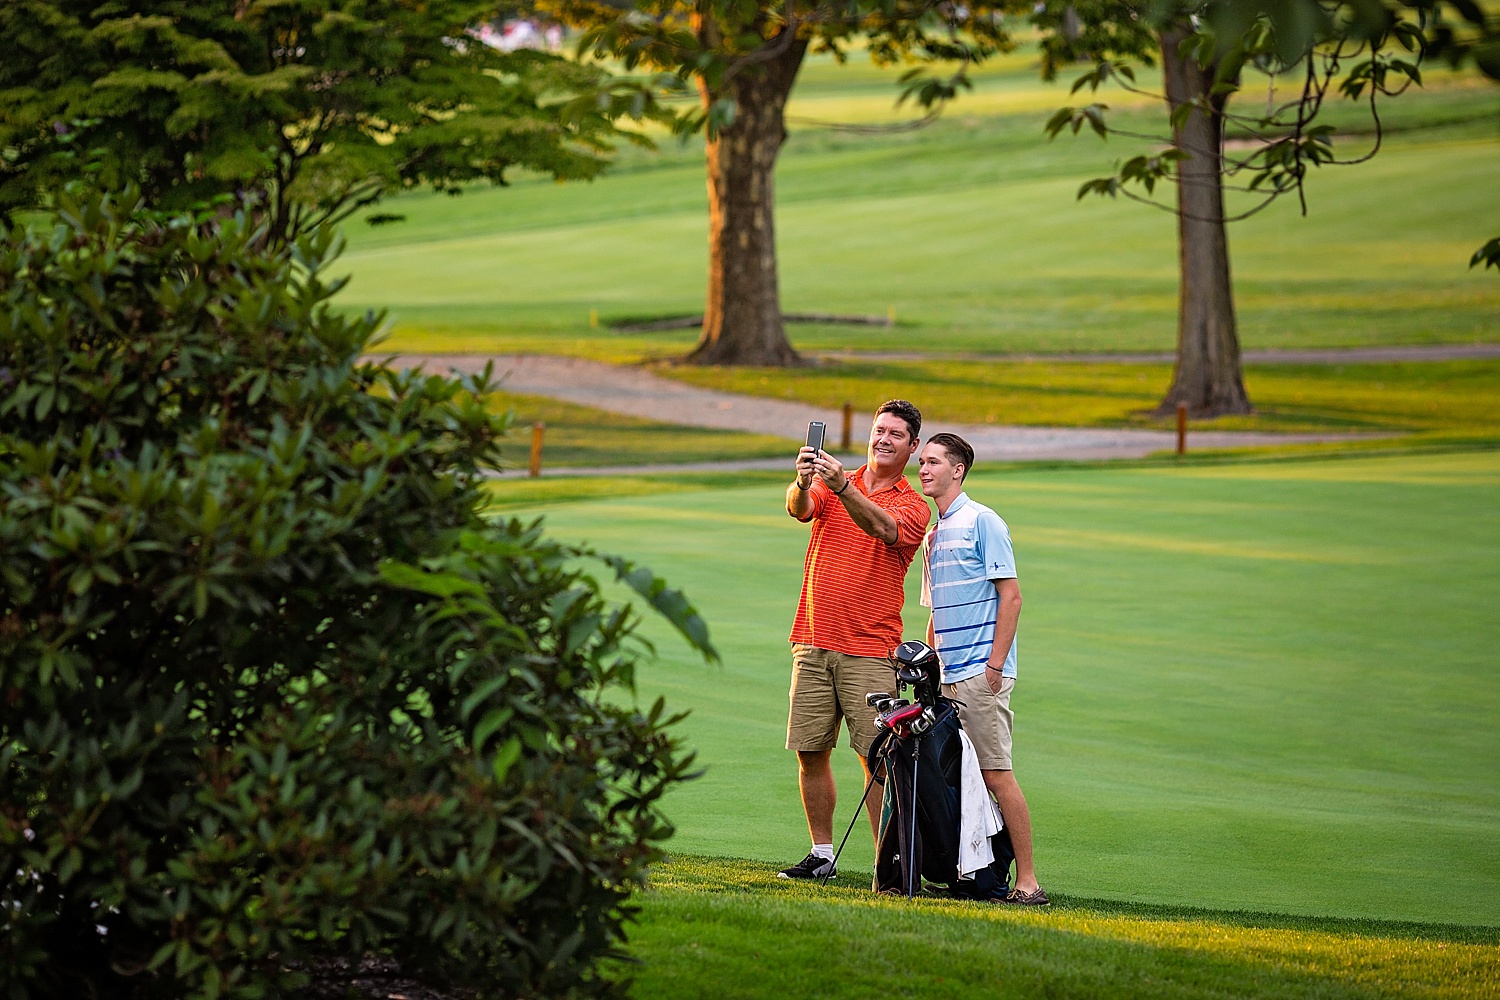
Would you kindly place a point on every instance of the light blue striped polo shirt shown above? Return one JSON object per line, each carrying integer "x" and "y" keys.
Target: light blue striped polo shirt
{"x": 962, "y": 557}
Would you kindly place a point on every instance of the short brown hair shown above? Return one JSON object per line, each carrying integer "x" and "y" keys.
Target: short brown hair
{"x": 958, "y": 450}
{"x": 905, "y": 411}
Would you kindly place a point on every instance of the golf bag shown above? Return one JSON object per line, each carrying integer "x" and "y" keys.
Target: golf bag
{"x": 922, "y": 813}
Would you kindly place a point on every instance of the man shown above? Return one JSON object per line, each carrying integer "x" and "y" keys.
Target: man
{"x": 866, "y": 528}
{"x": 969, "y": 582}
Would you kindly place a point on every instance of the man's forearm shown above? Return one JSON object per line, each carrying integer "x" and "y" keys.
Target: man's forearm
{"x": 1005, "y": 634}
{"x": 868, "y": 516}
{"x": 799, "y": 501}
{"x": 1007, "y": 620}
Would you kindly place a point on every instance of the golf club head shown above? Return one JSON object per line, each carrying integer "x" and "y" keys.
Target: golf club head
{"x": 903, "y": 716}
{"x": 910, "y": 676}
{"x": 889, "y": 708}
{"x": 914, "y": 653}
{"x": 917, "y": 665}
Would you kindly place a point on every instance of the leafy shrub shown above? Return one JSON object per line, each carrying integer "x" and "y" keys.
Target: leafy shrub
{"x": 273, "y": 693}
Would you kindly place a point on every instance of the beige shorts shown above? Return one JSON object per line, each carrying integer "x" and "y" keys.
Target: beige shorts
{"x": 829, "y": 686}
{"x": 986, "y": 717}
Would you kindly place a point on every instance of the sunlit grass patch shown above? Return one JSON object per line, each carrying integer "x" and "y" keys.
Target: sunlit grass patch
{"x": 1408, "y": 396}
{"x": 730, "y": 928}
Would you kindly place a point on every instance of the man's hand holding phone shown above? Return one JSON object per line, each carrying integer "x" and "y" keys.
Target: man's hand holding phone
{"x": 831, "y": 471}
{"x": 806, "y": 466}
{"x": 813, "y": 460}
{"x": 821, "y": 464}
{"x": 807, "y": 458}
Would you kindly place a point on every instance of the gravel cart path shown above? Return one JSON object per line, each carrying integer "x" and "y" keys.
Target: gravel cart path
{"x": 636, "y": 392}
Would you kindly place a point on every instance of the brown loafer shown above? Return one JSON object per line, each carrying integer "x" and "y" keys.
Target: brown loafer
{"x": 1036, "y": 897}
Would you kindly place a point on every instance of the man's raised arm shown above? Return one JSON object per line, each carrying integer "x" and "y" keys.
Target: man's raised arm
{"x": 872, "y": 520}
{"x": 863, "y": 511}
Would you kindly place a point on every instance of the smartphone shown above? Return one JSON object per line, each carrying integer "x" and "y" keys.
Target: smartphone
{"x": 816, "y": 429}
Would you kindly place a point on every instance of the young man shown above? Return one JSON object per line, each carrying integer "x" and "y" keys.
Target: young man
{"x": 969, "y": 582}
{"x": 866, "y": 528}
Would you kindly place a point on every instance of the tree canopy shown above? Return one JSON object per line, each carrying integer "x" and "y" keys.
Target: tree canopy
{"x": 318, "y": 106}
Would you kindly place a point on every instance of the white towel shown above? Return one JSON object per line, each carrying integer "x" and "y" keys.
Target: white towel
{"x": 980, "y": 819}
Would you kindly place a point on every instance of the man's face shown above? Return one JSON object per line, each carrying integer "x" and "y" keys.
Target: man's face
{"x": 938, "y": 472}
{"x": 891, "y": 443}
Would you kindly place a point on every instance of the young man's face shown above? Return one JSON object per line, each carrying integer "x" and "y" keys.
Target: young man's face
{"x": 938, "y": 472}
{"x": 891, "y": 442}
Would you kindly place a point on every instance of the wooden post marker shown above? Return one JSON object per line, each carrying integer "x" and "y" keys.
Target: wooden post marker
{"x": 537, "y": 430}
{"x": 1182, "y": 428}
{"x": 846, "y": 437}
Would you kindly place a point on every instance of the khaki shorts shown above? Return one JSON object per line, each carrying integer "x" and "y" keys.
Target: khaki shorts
{"x": 986, "y": 717}
{"x": 829, "y": 686}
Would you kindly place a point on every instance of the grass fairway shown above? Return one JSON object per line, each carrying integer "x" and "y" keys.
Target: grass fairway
{"x": 1262, "y": 686}
{"x": 731, "y": 930}
{"x": 970, "y": 230}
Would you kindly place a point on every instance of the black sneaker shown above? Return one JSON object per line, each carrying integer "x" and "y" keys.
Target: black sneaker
{"x": 811, "y": 866}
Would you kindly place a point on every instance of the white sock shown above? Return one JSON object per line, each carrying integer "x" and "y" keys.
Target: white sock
{"x": 824, "y": 851}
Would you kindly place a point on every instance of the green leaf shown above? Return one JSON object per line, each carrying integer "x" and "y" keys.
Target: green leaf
{"x": 407, "y": 577}
{"x": 481, "y": 694}
{"x": 505, "y": 759}
{"x": 670, "y": 603}
{"x": 492, "y": 720}
{"x": 1487, "y": 58}
{"x": 1488, "y": 255}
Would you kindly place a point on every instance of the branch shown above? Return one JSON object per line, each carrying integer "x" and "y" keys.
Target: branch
{"x": 775, "y": 48}
{"x": 354, "y": 197}
{"x": 1199, "y": 218}
{"x": 935, "y": 94}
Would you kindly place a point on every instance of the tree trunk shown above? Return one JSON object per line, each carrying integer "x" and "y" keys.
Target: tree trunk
{"x": 742, "y": 318}
{"x": 1207, "y": 376}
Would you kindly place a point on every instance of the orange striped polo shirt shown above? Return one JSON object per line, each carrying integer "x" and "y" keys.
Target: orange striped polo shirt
{"x": 853, "y": 585}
